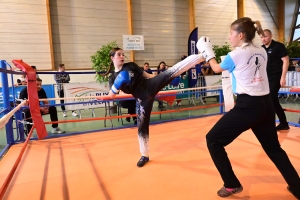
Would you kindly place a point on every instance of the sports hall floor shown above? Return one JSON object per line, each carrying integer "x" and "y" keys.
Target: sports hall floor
{"x": 102, "y": 165}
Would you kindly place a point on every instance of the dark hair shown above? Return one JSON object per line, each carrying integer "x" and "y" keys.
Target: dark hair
{"x": 33, "y": 67}
{"x": 246, "y": 26}
{"x": 112, "y": 53}
{"x": 146, "y": 63}
{"x": 158, "y": 68}
{"x": 61, "y": 65}
{"x": 38, "y": 79}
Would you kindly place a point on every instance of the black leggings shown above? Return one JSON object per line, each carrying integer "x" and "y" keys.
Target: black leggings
{"x": 146, "y": 91}
{"x": 256, "y": 113}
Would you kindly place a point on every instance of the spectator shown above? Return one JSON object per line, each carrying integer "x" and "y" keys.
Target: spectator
{"x": 277, "y": 66}
{"x": 131, "y": 106}
{"x": 60, "y": 79}
{"x": 160, "y": 68}
{"x": 45, "y": 109}
{"x": 295, "y": 64}
{"x": 21, "y": 81}
{"x": 206, "y": 69}
{"x": 35, "y": 69}
{"x": 147, "y": 68}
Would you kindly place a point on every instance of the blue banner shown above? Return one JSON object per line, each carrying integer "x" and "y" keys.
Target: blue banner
{"x": 192, "y": 49}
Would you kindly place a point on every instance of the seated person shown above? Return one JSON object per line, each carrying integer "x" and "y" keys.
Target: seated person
{"x": 45, "y": 109}
{"x": 21, "y": 81}
{"x": 296, "y": 65}
{"x": 131, "y": 106}
{"x": 147, "y": 68}
{"x": 35, "y": 69}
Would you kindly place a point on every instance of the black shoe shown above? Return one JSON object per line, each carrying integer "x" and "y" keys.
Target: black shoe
{"x": 289, "y": 189}
{"x": 142, "y": 161}
{"x": 127, "y": 119}
{"x": 282, "y": 127}
{"x": 224, "y": 193}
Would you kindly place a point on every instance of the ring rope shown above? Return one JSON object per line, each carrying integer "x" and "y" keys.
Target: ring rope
{"x": 129, "y": 95}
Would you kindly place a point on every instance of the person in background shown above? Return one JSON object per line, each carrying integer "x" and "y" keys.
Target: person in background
{"x": 160, "y": 68}
{"x": 35, "y": 69}
{"x": 278, "y": 63}
{"x": 146, "y": 68}
{"x": 21, "y": 81}
{"x": 44, "y": 109}
{"x": 60, "y": 79}
{"x": 295, "y": 66}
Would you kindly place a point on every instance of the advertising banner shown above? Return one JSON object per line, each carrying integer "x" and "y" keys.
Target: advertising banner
{"x": 212, "y": 81}
{"x": 85, "y": 90}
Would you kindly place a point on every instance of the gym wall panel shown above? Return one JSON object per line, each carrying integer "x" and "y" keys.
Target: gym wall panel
{"x": 165, "y": 26}
{"x": 257, "y": 10}
{"x": 80, "y": 28}
{"x": 24, "y": 32}
{"x": 290, "y": 8}
{"x": 213, "y": 19}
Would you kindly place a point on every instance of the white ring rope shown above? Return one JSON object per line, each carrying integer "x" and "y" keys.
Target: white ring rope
{"x": 6, "y": 117}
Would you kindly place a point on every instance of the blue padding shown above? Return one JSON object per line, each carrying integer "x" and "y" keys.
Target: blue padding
{"x": 175, "y": 82}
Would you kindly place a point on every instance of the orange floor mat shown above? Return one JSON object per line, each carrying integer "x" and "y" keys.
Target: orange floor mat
{"x": 102, "y": 166}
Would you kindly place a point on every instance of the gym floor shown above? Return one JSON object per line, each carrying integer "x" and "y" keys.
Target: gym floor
{"x": 102, "y": 165}
{"x": 98, "y": 125}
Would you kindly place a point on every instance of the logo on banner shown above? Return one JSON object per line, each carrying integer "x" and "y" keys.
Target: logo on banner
{"x": 194, "y": 74}
{"x": 85, "y": 90}
{"x": 193, "y": 47}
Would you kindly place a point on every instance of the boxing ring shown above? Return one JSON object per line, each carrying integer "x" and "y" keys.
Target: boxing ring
{"x": 102, "y": 164}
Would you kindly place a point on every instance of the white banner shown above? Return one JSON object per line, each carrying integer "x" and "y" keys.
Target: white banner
{"x": 212, "y": 81}
{"x": 85, "y": 90}
{"x": 133, "y": 42}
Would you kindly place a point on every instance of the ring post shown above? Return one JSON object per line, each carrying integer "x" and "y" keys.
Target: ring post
{"x": 221, "y": 101}
{"x": 19, "y": 117}
{"x": 6, "y": 104}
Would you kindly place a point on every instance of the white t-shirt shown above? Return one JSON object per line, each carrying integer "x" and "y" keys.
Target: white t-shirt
{"x": 248, "y": 68}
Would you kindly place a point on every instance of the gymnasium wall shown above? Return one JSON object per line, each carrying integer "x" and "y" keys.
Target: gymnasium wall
{"x": 79, "y": 28}
{"x": 24, "y": 32}
{"x": 165, "y": 26}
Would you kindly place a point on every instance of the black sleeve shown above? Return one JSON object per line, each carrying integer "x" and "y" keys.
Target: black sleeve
{"x": 283, "y": 52}
{"x": 42, "y": 94}
{"x": 23, "y": 94}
